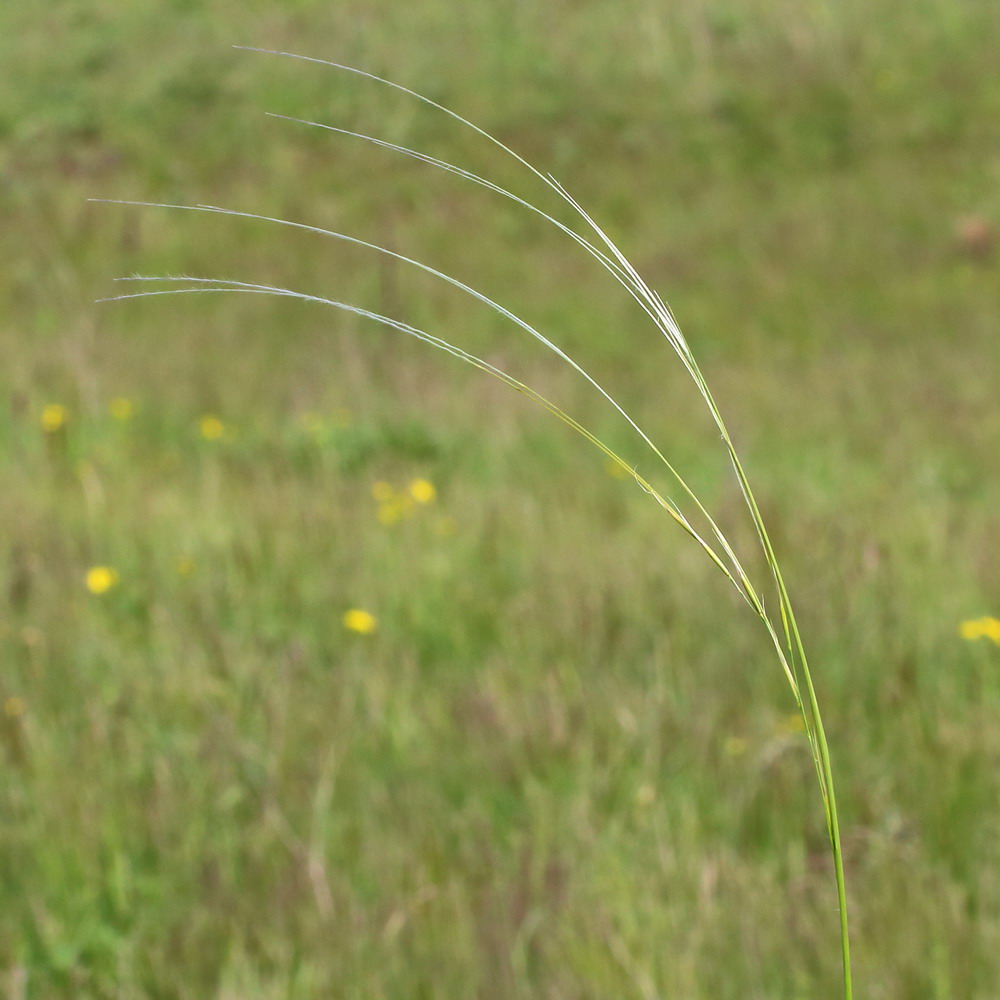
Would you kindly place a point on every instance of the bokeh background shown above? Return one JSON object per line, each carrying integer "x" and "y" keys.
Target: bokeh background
{"x": 333, "y": 668}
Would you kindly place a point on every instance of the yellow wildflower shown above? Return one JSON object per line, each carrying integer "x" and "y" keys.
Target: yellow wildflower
{"x": 422, "y": 491}
{"x": 100, "y": 579}
{"x": 14, "y": 707}
{"x": 54, "y": 417}
{"x": 360, "y": 621}
{"x": 121, "y": 409}
{"x": 986, "y": 627}
{"x": 211, "y": 427}
{"x": 970, "y": 629}
{"x": 394, "y": 510}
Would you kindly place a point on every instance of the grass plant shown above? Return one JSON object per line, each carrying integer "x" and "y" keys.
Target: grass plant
{"x": 690, "y": 513}
{"x": 335, "y": 667}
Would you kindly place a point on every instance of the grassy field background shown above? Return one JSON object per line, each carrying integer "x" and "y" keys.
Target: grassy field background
{"x": 562, "y": 763}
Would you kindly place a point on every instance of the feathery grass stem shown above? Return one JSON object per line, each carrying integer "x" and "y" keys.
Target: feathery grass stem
{"x": 786, "y": 639}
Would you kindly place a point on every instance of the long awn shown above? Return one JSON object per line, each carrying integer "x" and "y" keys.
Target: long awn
{"x": 784, "y": 634}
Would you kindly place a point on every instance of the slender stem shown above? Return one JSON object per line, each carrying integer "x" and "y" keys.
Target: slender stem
{"x": 831, "y": 812}
{"x": 813, "y": 721}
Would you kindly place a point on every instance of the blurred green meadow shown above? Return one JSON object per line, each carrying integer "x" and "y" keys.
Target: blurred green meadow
{"x": 333, "y": 668}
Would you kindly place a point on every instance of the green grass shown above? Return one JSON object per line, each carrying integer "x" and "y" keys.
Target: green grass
{"x": 563, "y": 766}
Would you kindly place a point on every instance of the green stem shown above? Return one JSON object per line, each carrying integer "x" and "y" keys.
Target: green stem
{"x": 814, "y": 720}
{"x": 832, "y": 818}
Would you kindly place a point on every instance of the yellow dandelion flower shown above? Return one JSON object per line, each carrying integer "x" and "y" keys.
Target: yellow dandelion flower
{"x": 393, "y": 511}
{"x": 986, "y": 627}
{"x": 100, "y": 579}
{"x": 121, "y": 409}
{"x": 211, "y": 427}
{"x": 360, "y": 621}
{"x": 422, "y": 491}
{"x": 970, "y": 629}
{"x": 389, "y": 513}
{"x": 14, "y": 707}
{"x": 54, "y": 417}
